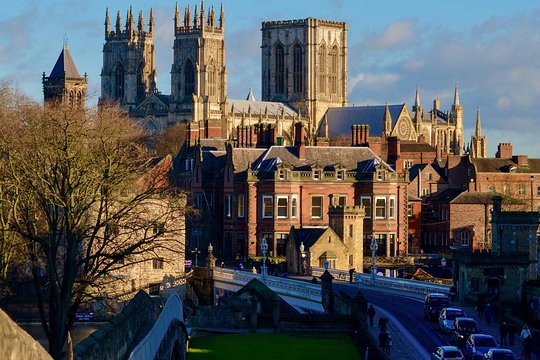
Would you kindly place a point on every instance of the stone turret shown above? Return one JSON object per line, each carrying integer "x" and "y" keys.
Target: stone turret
{"x": 478, "y": 141}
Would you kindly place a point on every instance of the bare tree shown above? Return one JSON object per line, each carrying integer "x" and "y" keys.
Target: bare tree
{"x": 90, "y": 202}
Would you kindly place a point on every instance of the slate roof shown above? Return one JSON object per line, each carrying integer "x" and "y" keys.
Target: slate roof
{"x": 65, "y": 65}
{"x": 213, "y": 163}
{"x": 415, "y": 170}
{"x": 505, "y": 165}
{"x": 307, "y": 235}
{"x": 340, "y": 119}
{"x": 445, "y": 196}
{"x": 474, "y": 198}
{"x": 361, "y": 159}
{"x": 259, "y": 107}
{"x": 243, "y": 157}
{"x": 213, "y": 144}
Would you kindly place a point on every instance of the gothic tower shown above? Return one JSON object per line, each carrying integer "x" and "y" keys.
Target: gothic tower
{"x": 65, "y": 85}
{"x": 199, "y": 74}
{"x": 478, "y": 141}
{"x": 304, "y": 63}
{"x": 457, "y": 119}
{"x": 128, "y": 75}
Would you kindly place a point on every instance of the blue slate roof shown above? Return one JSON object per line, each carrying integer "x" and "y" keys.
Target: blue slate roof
{"x": 65, "y": 66}
{"x": 340, "y": 119}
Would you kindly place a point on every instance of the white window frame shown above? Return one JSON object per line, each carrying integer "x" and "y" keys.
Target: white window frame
{"x": 409, "y": 210}
{"x": 286, "y": 207}
{"x": 336, "y": 199}
{"x": 264, "y": 214}
{"x": 368, "y": 209}
{"x": 321, "y": 206}
{"x": 425, "y": 192}
{"x": 377, "y": 198}
{"x": 392, "y": 207}
{"x": 317, "y": 175}
{"x": 241, "y": 205}
{"x": 281, "y": 174}
{"x": 340, "y": 175}
{"x": 465, "y": 238}
{"x": 294, "y": 206}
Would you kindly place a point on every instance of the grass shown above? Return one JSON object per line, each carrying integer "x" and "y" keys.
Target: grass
{"x": 274, "y": 346}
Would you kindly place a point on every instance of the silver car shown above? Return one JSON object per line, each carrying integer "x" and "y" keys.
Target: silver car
{"x": 447, "y": 353}
{"x": 447, "y": 317}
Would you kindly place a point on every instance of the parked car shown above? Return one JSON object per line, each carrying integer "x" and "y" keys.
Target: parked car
{"x": 434, "y": 303}
{"x": 463, "y": 327}
{"x": 447, "y": 353}
{"x": 447, "y": 317}
{"x": 500, "y": 354}
{"x": 478, "y": 344}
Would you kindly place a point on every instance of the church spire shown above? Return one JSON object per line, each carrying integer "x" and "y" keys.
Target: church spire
{"x": 417, "y": 99}
{"x": 107, "y": 22}
{"x": 456, "y": 95}
{"x": 151, "y": 23}
{"x": 196, "y": 18}
{"x": 202, "y": 15}
{"x": 176, "y": 17}
{"x": 387, "y": 121}
{"x": 478, "y": 132}
{"x": 221, "y": 17}
{"x": 118, "y": 22}
{"x": 140, "y": 25}
{"x": 187, "y": 17}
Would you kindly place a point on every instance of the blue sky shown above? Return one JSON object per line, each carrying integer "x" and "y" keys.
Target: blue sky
{"x": 491, "y": 48}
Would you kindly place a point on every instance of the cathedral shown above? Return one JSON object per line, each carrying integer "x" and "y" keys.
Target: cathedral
{"x": 304, "y": 79}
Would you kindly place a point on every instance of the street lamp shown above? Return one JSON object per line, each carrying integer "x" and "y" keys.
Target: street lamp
{"x": 196, "y": 252}
{"x": 373, "y": 246}
{"x": 303, "y": 257}
{"x": 443, "y": 262}
{"x": 264, "y": 249}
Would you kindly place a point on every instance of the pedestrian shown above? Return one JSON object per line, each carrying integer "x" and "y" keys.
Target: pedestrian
{"x": 371, "y": 314}
{"x": 222, "y": 264}
{"x": 254, "y": 270}
{"x": 488, "y": 313}
{"x": 351, "y": 273}
{"x": 503, "y": 331}
{"x": 511, "y": 329}
{"x": 383, "y": 340}
{"x": 526, "y": 336}
{"x": 388, "y": 345}
{"x": 382, "y": 323}
{"x": 480, "y": 305}
{"x": 314, "y": 280}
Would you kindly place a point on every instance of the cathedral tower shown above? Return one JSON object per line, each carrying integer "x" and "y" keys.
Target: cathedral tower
{"x": 199, "y": 74}
{"x": 65, "y": 85}
{"x": 304, "y": 62}
{"x": 128, "y": 75}
{"x": 478, "y": 141}
{"x": 457, "y": 119}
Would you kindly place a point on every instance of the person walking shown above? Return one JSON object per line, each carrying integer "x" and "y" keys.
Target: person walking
{"x": 383, "y": 340}
{"x": 488, "y": 313}
{"x": 382, "y": 324}
{"x": 503, "y": 331}
{"x": 388, "y": 345}
{"x": 511, "y": 329}
{"x": 371, "y": 314}
{"x": 526, "y": 336}
{"x": 480, "y": 305}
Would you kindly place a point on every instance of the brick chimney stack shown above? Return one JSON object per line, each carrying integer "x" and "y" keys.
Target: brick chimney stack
{"x": 504, "y": 151}
{"x": 299, "y": 140}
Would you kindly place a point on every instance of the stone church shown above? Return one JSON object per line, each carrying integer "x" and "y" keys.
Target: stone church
{"x": 304, "y": 74}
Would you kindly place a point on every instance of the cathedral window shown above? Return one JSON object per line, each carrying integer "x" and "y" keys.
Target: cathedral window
{"x": 280, "y": 69}
{"x": 141, "y": 91}
{"x": 212, "y": 81}
{"x": 322, "y": 69}
{"x": 189, "y": 79}
{"x": 119, "y": 80}
{"x": 298, "y": 68}
{"x": 333, "y": 70}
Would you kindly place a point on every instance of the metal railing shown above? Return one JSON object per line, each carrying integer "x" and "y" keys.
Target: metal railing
{"x": 149, "y": 346}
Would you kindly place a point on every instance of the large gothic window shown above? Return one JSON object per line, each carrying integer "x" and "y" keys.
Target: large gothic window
{"x": 298, "y": 68}
{"x": 322, "y": 69}
{"x": 333, "y": 70}
{"x": 189, "y": 79}
{"x": 119, "y": 82}
{"x": 141, "y": 91}
{"x": 280, "y": 69}
{"x": 211, "y": 81}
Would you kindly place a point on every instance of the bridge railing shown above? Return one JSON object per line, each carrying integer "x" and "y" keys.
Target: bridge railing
{"x": 415, "y": 286}
{"x": 148, "y": 347}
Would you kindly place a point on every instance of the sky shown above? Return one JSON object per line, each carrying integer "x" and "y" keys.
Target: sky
{"x": 491, "y": 48}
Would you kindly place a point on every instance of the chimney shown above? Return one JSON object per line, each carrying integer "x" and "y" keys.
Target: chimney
{"x": 299, "y": 140}
{"x": 521, "y": 160}
{"x": 354, "y": 130}
{"x": 365, "y": 135}
{"x": 504, "y": 151}
{"x": 438, "y": 152}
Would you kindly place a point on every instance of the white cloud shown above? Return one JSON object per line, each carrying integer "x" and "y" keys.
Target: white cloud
{"x": 398, "y": 34}
{"x": 373, "y": 80}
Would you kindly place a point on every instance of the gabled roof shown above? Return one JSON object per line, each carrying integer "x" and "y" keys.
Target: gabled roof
{"x": 65, "y": 66}
{"x": 415, "y": 170}
{"x": 445, "y": 196}
{"x": 505, "y": 165}
{"x": 213, "y": 163}
{"x": 260, "y": 107}
{"x": 340, "y": 119}
{"x": 307, "y": 235}
{"x": 474, "y": 198}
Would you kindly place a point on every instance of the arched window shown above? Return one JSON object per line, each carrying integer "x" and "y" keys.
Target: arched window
{"x": 280, "y": 69}
{"x": 71, "y": 98}
{"x": 79, "y": 100}
{"x": 119, "y": 81}
{"x": 211, "y": 81}
{"x": 333, "y": 70}
{"x": 141, "y": 91}
{"x": 322, "y": 69}
{"x": 189, "y": 79}
{"x": 298, "y": 68}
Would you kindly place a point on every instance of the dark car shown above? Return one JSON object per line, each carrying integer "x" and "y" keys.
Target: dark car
{"x": 463, "y": 327}
{"x": 478, "y": 344}
{"x": 447, "y": 353}
{"x": 447, "y": 317}
{"x": 499, "y": 354}
{"x": 434, "y": 303}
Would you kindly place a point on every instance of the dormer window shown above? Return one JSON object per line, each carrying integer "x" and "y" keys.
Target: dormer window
{"x": 340, "y": 174}
{"x": 380, "y": 176}
{"x": 317, "y": 175}
{"x": 281, "y": 174}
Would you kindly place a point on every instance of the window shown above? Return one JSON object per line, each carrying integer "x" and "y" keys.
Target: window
{"x": 294, "y": 206}
{"x": 240, "y": 205}
{"x": 366, "y": 203}
{"x": 407, "y": 164}
{"x": 429, "y": 176}
{"x": 380, "y": 176}
{"x": 317, "y": 175}
{"x": 282, "y": 207}
{"x": 281, "y": 244}
{"x": 316, "y": 207}
{"x": 322, "y": 69}
{"x": 339, "y": 200}
{"x": 465, "y": 238}
{"x": 425, "y": 192}
{"x": 280, "y": 69}
{"x": 340, "y": 175}
{"x": 228, "y": 205}
{"x": 491, "y": 189}
{"x": 409, "y": 210}
{"x": 333, "y": 70}
{"x": 538, "y": 191}
{"x": 211, "y": 81}
{"x": 505, "y": 189}
{"x": 281, "y": 174}
{"x": 120, "y": 80}
{"x": 298, "y": 68}
{"x": 351, "y": 227}
{"x": 521, "y": 189}
{"x": 197, "y": 200}
{"x": 380, "y": 208}
{"x": 141, "y": 91}
{"x": 189, "y": 79}
{"x": 392, "y": 208}
{"x": 268, "y": 207}
{"x": 157, "y": 264}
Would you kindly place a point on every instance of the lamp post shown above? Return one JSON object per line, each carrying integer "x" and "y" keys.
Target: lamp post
{"x": 373, "y": 246}
{"x": 303, "y": 259}
{"x": 196, "y": 252}
{"x": 264, "y": 249}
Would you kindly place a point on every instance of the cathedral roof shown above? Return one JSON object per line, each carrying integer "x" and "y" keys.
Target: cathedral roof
{"x": 260, "y": 107}
{"x": 65, "y": 66}
{"x": 340, "y": 119}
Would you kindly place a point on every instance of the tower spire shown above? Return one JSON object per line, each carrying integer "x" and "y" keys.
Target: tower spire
{"x": 456, "y": 95}
{"x": 176, "y": 17}
{"x": 478, "y": 132}
{"x": 196, "y": 18}
{"x": 107, "y": 22}
{"x": 151, "y": 23}
{"x": 140, "y": 25}
{"x": 387, "y": 121}
{"x": 221, "y": 17}
{"x": 417, "y": 99}
{"x": 202, "y": 15}
{"x": 118, "y": 22}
